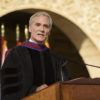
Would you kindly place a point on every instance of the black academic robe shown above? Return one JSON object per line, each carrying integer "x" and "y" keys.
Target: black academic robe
{"x": 28, "y": 66}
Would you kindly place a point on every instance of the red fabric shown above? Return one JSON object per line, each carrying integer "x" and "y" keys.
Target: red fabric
{"x": 2, "y": 43}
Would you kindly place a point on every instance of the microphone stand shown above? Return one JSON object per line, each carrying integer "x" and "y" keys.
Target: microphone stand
{"x": 77, "y": 62}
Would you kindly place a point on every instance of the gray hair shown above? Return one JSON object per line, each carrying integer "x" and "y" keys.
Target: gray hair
{"x": 41, "y": 14}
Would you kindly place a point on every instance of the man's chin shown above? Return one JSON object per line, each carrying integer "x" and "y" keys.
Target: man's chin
{"x": 41, "y": 42}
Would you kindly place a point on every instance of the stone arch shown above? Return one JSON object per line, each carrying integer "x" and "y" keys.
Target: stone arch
{"x": 81, "y": 41}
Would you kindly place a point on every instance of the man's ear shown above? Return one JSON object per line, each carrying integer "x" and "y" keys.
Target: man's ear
{"x": 30, "y": 29}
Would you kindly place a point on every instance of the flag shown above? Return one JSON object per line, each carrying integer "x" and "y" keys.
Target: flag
{"x": 17, "y": 35}
{"x": 18, "y": 42}
{"x": 3, "y": 51}
{"x": 26, "y": 33}
{"x": 47, "y": 44}
{"x": 3, "y": 44}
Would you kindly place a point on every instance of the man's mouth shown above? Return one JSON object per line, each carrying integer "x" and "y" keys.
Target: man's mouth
{"x": 41, "y": 34}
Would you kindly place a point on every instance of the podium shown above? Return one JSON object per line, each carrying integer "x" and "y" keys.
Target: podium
{"x": 77, "y": 89}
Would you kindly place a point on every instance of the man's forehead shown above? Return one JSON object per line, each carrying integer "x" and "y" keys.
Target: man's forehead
{"x": 41, "y": 18}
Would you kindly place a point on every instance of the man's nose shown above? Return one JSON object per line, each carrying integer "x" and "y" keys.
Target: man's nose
{"x": 42, "y": 28}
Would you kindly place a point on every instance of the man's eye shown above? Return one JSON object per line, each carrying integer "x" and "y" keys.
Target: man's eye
{"x": 37, "y": 24}
{"x": 46, "y": 26}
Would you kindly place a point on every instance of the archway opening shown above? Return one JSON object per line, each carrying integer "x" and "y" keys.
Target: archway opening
{"x": 58, "y": 41}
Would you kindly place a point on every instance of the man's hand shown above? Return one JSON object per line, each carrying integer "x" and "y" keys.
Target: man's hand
{"x": 41, "y": 87}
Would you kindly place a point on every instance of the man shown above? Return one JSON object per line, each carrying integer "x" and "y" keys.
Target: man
{"x": 32, "y": 66}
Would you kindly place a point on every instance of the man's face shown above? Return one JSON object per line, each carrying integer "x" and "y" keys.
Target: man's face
{"x": 39, "y": 29}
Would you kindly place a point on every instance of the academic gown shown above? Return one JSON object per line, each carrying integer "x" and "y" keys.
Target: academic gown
{"x": 28, "y": 66}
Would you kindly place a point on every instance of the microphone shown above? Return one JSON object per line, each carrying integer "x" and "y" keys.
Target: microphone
{"x": 77, "y": 62}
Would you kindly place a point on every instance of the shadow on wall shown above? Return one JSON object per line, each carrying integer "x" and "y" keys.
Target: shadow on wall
{"x": 71, "y": 30}
{"x": 60, "y": 43}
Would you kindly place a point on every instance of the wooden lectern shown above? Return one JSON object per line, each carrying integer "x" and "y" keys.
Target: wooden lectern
{"x": 77, "y": 89}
